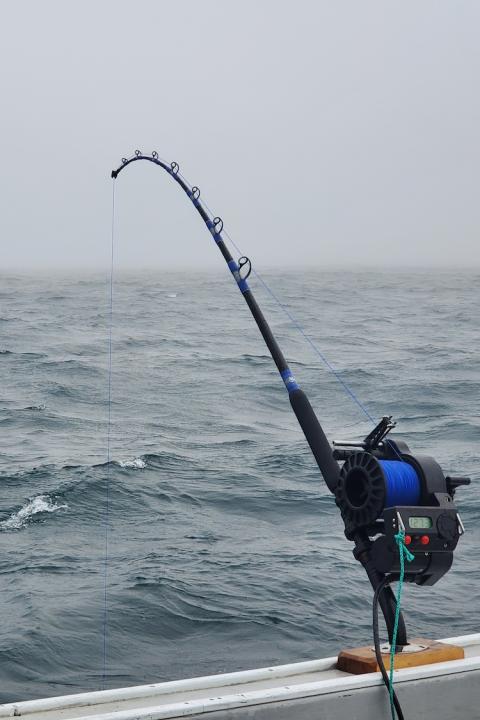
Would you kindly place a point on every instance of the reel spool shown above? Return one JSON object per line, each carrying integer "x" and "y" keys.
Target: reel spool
{"x": 368, "y": 485}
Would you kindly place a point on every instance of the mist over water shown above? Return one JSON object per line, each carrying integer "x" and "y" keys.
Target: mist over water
{"x": 225, "y": 548}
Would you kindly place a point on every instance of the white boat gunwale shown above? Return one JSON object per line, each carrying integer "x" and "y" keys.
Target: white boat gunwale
{"x": 107, "y": 704}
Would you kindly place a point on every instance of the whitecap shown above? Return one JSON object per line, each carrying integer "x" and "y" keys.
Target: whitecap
{"x": 39, "y": 504}
{"x": 171, "y": 295}
{"x": 137, "y": 464}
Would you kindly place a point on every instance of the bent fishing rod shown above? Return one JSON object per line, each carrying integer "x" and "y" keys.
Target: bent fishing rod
{"x": 382, "y": 490}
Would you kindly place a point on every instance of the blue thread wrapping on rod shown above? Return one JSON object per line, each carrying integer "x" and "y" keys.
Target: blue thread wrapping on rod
{"x": 402, "y": 483}
{"x": 289, "y": 380}
{"x": 235, "y": 270}
{"x": 210, "y": 225}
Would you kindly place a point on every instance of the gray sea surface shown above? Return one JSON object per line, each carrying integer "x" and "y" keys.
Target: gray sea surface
{"x": 225, "y": 549}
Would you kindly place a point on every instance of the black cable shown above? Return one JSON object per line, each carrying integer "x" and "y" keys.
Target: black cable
{"x": 378, "y": 652}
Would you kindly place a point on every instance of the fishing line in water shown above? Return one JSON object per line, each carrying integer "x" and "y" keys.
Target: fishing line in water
{"x": 109, "y": 431}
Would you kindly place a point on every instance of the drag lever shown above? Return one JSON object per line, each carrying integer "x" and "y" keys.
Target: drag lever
{"x": 373, "y": 439}
{"x": 343, "y": 449}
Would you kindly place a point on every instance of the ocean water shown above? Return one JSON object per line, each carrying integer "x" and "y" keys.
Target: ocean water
{"x": 225, "y": 549}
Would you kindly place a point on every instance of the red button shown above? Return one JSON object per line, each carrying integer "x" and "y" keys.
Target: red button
{"x": 424, "y": 539}
{"x": 408, "y": 539}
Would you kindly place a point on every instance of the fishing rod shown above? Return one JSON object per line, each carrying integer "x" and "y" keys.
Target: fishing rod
{"x": 309, "y": 423}
{"x": 383, "y": 491}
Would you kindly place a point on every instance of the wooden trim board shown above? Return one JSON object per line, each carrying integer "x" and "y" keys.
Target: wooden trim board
{"x": 362, "y": 660}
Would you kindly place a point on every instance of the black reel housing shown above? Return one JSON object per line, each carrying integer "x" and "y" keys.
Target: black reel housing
{"x": 432, "y": 526}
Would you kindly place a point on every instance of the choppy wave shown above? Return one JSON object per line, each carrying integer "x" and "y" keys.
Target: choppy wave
{"x": 136, "y": 464}
{"x": 37, "y": 506}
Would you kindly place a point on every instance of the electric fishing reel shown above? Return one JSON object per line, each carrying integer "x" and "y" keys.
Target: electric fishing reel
{"x": 388, "y": 497}
{"x": 383, "y": 488}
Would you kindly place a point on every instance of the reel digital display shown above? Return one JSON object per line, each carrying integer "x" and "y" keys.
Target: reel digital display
{"x": 419, "y": 523}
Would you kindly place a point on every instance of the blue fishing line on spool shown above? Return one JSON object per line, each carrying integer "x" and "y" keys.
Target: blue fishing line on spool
{"x": 402, "y": 483}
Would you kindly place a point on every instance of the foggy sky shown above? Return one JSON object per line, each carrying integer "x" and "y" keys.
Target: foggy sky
{"x": 324, "y": 133}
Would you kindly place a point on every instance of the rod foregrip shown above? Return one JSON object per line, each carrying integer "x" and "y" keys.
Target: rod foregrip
{"x": 316, "y": 438}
